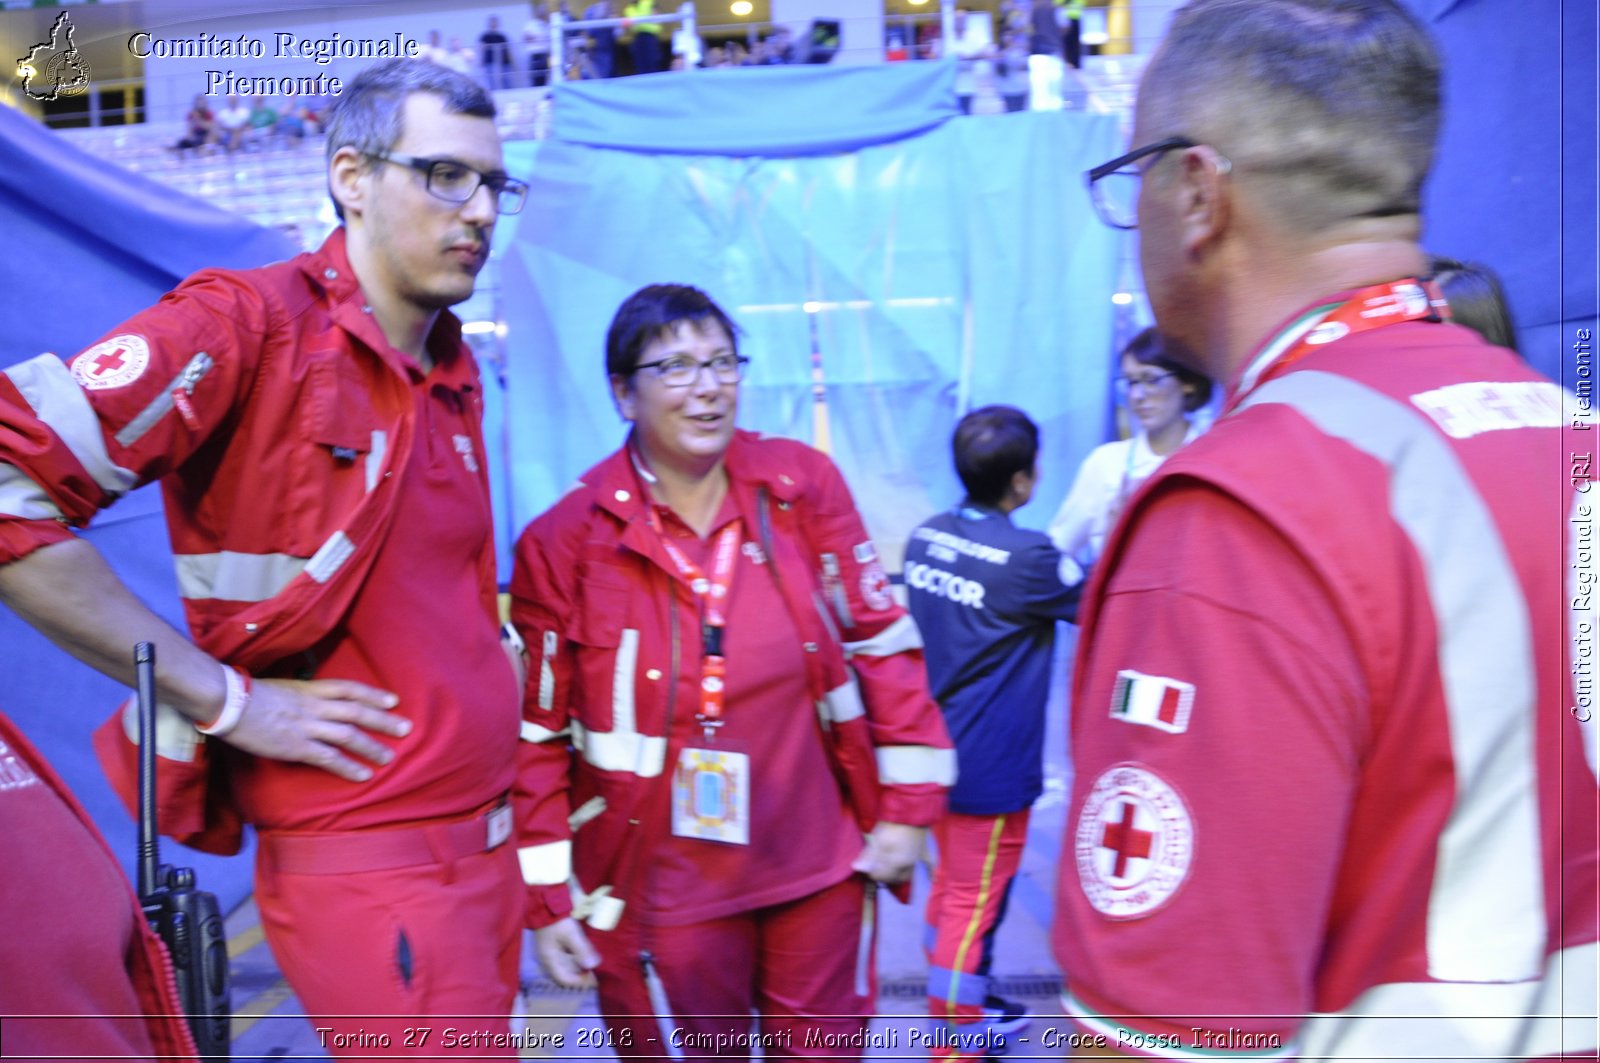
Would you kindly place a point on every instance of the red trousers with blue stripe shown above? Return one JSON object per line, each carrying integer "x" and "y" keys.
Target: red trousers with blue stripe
{"x": 978, "y": 858}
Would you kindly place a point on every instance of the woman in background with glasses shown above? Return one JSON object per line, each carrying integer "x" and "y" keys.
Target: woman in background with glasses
{"x": 1160, "y": 395}
{"x": 710, "y": 797}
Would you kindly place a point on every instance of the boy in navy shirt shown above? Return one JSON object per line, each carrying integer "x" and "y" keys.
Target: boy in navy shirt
{"x": 986, "y": 596}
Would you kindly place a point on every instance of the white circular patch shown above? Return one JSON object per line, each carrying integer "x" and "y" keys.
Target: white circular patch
{"x": 1134, "y": 843}
{"x": 115, "y": 363}
{"x": 875, "y": 586}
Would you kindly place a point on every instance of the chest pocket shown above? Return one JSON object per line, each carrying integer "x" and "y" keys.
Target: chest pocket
{"x": 343, "y": 450}
{"x": 607, "y": 649}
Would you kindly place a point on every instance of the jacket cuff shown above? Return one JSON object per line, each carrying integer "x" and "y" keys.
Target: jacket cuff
{"x": 546, "y": 905}
{"x": 19, "y": 538}
{"x": 915, "y": 806}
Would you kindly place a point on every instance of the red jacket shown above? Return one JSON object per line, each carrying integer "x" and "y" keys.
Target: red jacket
{"x": 149, "y": 968}
{"x": 273, "y": 410}
{"x": 593, "y": 588}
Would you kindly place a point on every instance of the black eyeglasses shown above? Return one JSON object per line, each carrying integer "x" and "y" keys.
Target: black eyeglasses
{"x": 1126, "y": 384}
{"x": 456, "y": 182}
{"x": 680, "y": 370}
{"x": 1114, "y": 185}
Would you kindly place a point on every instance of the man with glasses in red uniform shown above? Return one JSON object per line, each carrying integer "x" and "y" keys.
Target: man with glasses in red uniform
{"x": 1329, "y": 798}
{"x": 316, "y": 429}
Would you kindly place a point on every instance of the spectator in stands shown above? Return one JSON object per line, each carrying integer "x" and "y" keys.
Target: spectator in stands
{"x": 1476, "y": 299}
{"x": 602, "y": 40}
{"x": 232, "y": 123}
{"x": 780, "y": 48}
{"x": 536, "y": 42}
{"x": 459, "y": 57}
{"x": 1046, "y": 68}
{"x": 972, "y": 44}
{"x": 200, "y": 126}
{"x": 1011, "y": 69}
{"x": 263, "y": 121}
{"x": 494, "y": 52}
{"x": 646, "y": 44}
{"x": 434, "y": 51}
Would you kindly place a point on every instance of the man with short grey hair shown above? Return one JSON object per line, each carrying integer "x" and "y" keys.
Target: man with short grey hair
{"x": 1329, "y": 798}
{"x": 316, "y": 427}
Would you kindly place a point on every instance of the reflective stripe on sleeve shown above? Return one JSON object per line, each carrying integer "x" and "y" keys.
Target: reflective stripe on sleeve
{"x": 599, "y": 909}
{"x": 329, "y": 557}
{"x": 915, "y": 765}
{"x": 629, "y": 751}
{"x": 234, "y": 577}
{"x": 843, "y": 703}
{"x": 375, "y": 456}
{"x": 1432, "y": 1020}
{"x": 1486, "y": 915}
{"x": 546, "y": 865}
{"x": 532, "y": 732}
{"x": 22, "y": 498}
{"x": 57, "y": 400}
{"x": 585, "y": 812}
{"x": 898, "y": 637}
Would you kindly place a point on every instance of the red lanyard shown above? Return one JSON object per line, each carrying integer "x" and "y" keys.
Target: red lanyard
{"x": 1390, "y": 303}
{"x": 712, "y": 591}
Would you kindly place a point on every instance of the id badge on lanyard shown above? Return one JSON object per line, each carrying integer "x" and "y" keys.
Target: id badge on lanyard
{"x": 711, "y": 786}
{"x": 711, "y": 796}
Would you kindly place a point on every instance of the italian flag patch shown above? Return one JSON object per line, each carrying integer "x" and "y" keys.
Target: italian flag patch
{"x": 1152, "y": 700}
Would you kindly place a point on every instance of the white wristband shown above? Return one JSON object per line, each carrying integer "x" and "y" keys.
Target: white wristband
{"x": 233, "y": 704}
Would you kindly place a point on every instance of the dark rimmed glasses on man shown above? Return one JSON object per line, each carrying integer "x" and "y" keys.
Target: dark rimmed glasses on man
{"x": 680, "y": 371}
{"x": 456, "y": 182}
{"x": 1114, "y": 185}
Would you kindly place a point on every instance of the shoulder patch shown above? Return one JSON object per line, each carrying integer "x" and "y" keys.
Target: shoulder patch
{"x": 1134, "y": 842}
{"x": 865, "y": 552}
{"x": 1152, "y": 701}
{"x": 113, "y": 363}
{"x": 875, "y": 586}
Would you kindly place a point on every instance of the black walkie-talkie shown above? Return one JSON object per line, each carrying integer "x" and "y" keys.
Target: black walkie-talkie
{"x": 188, "y": 919}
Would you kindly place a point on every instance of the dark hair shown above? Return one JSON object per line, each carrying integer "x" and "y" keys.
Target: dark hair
{"x": 1152, "y": 348}
{"x": 1476, "y": 299}
{"x": 991, "y": 445}
{"x": 1330, "y": 106}
{"x": 370, "y": 114}
{"x": 649, "y": 313}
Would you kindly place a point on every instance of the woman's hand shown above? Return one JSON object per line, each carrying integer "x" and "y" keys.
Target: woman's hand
{"x": 891, "y": 853}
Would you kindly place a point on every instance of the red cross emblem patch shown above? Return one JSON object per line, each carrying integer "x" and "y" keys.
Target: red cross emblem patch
{"x": 1134, "y": 842}
{"x": 112, "y": 363}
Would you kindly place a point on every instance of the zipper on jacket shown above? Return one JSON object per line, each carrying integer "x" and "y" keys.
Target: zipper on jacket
{"x": 659, "y": 1004}
{"x": 183, "y": 384}
{"x": 547, "y": 674}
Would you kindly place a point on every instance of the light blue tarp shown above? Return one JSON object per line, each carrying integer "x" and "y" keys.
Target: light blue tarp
{"x": 953, "y": 267}
{"x": 1515, "y": 183}
{"x": 89, "y": 245}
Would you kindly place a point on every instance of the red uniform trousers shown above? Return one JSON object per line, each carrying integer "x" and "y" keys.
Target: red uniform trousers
{"x": 978, "y": 858}
{"x": 805, "y": 966}
{"x": 445, "y": 957}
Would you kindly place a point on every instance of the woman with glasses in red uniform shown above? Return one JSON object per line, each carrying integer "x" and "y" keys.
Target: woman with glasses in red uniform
{"x": 709, "y": 799}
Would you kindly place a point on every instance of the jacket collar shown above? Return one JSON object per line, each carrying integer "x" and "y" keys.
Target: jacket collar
{"x": 328, "y": 270}
{"x": 621, "y": 491}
